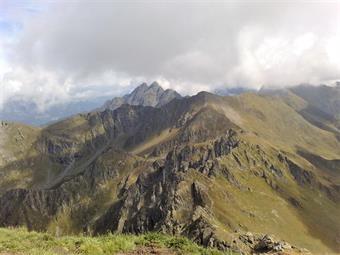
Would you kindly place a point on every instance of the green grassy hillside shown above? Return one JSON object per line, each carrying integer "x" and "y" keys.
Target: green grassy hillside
{"x": 18, "y": 155}
{"x": 20, "y": 241}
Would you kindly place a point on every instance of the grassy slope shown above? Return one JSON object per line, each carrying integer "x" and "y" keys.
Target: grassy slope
{"x": 162, "y": 137}
{"x": 280, "y": 125}
{"x": 17, "y": 155}
{"x": 325, "y": 98}
{"x": 20, "y": 241}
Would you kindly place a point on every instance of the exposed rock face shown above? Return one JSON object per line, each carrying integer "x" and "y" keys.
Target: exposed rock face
{"x": 204, "y": 233}
{"x": 153, "y": 95}
{"x": 32, "y": 208}
{"x": 152, "y": 202}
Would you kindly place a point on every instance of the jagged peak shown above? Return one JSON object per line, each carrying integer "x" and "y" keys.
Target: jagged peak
{"x": 141, "y": 87}
{"x": 146, "y": 95}
{"x": 155, "y": 85}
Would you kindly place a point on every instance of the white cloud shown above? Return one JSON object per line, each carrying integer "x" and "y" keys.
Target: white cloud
{"x": 78, "y": 49}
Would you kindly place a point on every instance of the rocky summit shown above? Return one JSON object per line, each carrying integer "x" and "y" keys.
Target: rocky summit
{"x": 253, "y": 173}
{"x": 153, "y": 95}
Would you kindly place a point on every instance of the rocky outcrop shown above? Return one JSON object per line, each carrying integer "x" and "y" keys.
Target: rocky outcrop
{"x": 302, "y": 176}
{"x": 145, "y": 206}
{"x": 198, "y": 195}
{"x": 202, "y": 158}
{"x": 151, "y": 202}
{"x": 266, "y": 244}
{"x": 203, "y": 233}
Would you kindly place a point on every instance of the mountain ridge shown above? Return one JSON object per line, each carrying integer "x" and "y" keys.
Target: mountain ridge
{"x": 209, "y": 167}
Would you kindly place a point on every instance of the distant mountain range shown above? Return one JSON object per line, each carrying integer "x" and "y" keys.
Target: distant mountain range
{"x": 319, "y": 105}
{"x": 28, "y": 112}
{"x": 19, "y": 110}
{"x": 233, "y": 91}
{"x": 240, "y": 173}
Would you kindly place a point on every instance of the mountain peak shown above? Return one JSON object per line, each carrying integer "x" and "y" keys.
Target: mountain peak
{"x": 155, "y": 85}
{"x": 141, "y": 87}
{"x": 152, "y": 95}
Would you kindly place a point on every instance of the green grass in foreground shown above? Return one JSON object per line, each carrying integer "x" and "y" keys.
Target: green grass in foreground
{"x": 20, "y": 241}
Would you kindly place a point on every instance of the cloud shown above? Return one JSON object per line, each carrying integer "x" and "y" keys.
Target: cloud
{"x": 71, "y": 48}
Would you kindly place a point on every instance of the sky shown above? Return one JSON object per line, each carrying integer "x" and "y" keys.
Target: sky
{"x": 58, "y": 51}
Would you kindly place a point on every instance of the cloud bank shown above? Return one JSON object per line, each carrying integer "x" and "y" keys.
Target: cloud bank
{"x": 75, "y": 49}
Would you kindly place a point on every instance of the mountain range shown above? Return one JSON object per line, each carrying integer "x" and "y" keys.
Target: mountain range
{"x": 27, "y": 111}
{"x": 255, "y": 172}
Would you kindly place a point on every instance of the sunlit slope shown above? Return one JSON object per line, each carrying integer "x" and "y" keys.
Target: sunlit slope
{"x": 319, "y": 105}
{"x": 324, "y": 98}
{"x": 280, "y": 125}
